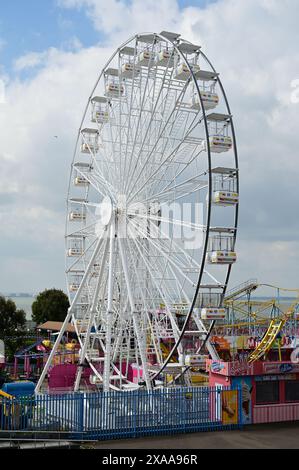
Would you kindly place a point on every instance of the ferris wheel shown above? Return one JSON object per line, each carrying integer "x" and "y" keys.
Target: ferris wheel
{"x": 152, "y": 215}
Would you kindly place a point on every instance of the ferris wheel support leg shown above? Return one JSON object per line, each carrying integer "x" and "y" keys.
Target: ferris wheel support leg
{"x": 140, "y": 340}
{"x": 92, "y": 313}
{"x": 106, "y": 375}
{"x": 168, "y": 311}
{"x": 54, "y": 349}
{"x": 107, "y": 368}
{"x": 67, "y": 319}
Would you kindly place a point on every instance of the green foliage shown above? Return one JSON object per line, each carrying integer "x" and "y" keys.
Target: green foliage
{"x": 51, "y": 304}
{"x": 10, "y": 318}
{"x": 12, "y": 324}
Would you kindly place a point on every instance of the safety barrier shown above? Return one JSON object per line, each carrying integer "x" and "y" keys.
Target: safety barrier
{"x": 115, "y": 415}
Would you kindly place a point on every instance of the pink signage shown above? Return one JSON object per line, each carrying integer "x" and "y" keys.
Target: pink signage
{"x": 239, "y": 368}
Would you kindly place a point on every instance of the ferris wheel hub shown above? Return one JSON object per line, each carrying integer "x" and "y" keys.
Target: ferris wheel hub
{"x": 104, "y": 211}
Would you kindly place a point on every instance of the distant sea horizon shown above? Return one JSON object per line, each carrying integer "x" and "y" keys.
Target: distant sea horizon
{"x": 26, "y": 300}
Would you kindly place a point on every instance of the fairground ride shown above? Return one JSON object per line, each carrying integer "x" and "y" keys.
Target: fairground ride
{"x": 151, "y": 216}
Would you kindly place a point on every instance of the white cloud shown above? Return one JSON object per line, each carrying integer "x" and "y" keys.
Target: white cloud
{"x": 35, "y": 165}
{"x": 32, "y": 59}
{"x": 119, "y": 19}
{"x": 254, "y": 46}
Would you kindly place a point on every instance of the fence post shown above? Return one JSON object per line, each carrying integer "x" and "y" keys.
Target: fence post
{"x": 135, "y": 411}
{"x": 81, "y": 411}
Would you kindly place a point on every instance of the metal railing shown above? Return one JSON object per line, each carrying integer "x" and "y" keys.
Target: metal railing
{"x": 115, "y": 415}
{"x": 250, "y": 283}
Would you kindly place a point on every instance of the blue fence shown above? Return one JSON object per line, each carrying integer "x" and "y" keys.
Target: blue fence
{"x": 115, "y": 415}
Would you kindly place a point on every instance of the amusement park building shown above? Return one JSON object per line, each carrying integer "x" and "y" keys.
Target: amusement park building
{"x": 270, "y": 390}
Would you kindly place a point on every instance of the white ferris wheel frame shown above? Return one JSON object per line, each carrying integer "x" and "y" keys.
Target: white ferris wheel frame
{"x": 108, "y": 242}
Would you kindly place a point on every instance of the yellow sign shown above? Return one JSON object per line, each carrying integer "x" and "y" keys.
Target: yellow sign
{"x": 230, "y": 407}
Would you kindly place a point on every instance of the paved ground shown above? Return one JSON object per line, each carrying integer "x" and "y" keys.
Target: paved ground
{"x": 265, "y": 436}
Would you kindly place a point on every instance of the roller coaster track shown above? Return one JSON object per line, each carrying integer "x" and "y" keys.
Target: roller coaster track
{"x": 268, "y": 339}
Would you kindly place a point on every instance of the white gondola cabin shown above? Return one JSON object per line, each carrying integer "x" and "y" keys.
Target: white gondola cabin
{"x": 77, "y": 216}
{"x": 196, "y": 360}
{"x": 212, "y": 313}
{"x": 81, "y": 181}
{"x": 75, "y": 246}
{"x": 114, "y": 88}
{"x": 74, "y": 287}
{"x": 130, "y": 70}
{"x": 218, "y": 126}
{"x": 225, "y": 186}
{"x": 96, "y": 270}
{"x": 182, "y": 71}
{"x": 74, "y": 251}
{"x": 210, "y": 100}
{"x": 146, "y": 58}
{"x": 220, "y": 143}
{"x": 128, "y": 67}
{"x": 90, "y": 140}
{"x": 76, "y": 279}
{"x": 165, "y": 58}
{"x": 221, "y": 246}
{"x": 222, "y": 257}
{"x": 225, "y": 198}
{"x": 99, "y": 110}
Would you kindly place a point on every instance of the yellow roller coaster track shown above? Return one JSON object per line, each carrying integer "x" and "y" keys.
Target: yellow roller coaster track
{"x": 268, "y": 339}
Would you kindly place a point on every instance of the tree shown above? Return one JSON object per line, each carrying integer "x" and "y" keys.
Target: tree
{"x": 51, "y": 304}
{"x": 11, "y": 319}
{"x": 12, "y": 326}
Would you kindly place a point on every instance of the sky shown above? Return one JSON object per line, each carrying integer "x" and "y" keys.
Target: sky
{"x": 51, "y": 53}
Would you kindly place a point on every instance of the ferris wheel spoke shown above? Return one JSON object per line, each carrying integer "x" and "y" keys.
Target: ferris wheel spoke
{"x": 136, "y": 133}
{"x": 154, "y": 186}
{"x": 178, "y": 191}
{"x": 159, "y": 138}
{"x": 100, "y": 175}
{"x": 149, "y": 158}
{"x": 132, "y": 98}
{"x": 162, "y": 271}
{"x": 157, "y": 133}
{"x": 101, "y": 186}
{"x": 87, "y": 230}
{"x": 111, "y": 157}
{"x": 83, "y": 230}
{"x": 166, "y": 256}
{"x": 177, "y": 161}
{"x": 135, "y": 314}
{"x": 165, "y": 301}
{"x": 170, "y": 221}
{"x": 166, "y": 160}
{"x": 154, "y": 340}
{"x": 150, "y": 124}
